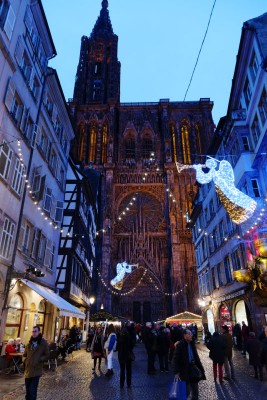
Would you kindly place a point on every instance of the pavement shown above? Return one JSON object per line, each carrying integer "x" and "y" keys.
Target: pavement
{"x": 75, "y": 379}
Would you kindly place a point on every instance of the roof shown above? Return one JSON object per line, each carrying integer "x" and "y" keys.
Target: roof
{"x": 103, "y": 26}
{"x": 259, "y": 24}
{"x": 186, "y": 315}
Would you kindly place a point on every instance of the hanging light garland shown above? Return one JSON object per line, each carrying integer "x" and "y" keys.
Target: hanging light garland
{"x": 31, "y": 194}
{"x": 118, "y": 293}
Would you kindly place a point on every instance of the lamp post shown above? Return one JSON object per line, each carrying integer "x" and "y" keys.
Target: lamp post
{"x": 91, "y": 301}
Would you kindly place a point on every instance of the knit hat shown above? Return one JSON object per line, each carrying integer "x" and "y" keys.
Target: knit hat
{"x": 225, "y": 328}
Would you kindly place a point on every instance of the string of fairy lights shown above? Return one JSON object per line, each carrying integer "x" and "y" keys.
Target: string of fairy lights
{"x": 126, "y": 293}
{"x": 44, "y": 215}
{"x": 254, "y": 222}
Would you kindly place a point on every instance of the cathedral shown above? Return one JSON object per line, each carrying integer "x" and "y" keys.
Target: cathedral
{"x": 144, "y": 202}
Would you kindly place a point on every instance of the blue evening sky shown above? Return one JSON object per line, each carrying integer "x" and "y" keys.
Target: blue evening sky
{"x": 158, "y": 45}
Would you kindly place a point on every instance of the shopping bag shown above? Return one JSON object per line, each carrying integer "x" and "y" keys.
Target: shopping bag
{"x": 177, "y": 390}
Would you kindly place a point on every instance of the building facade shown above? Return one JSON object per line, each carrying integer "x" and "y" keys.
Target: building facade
{"x": 76, "y": 258}
{"x": 143, "y": 200}
{"x": 35, "y": 132}
{"x": 230, "y": 257}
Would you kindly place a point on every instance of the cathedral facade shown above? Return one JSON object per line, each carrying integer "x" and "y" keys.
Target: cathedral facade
{"x": 144, "y": 201}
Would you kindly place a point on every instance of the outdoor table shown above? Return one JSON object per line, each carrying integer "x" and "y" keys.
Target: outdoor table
{"x": 16, "y": 358}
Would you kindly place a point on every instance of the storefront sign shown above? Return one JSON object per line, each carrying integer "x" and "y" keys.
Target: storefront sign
{"x": 230, "y": 296}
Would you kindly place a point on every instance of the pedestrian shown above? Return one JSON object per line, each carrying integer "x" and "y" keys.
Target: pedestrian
{"x": 148, "y": 338}
{"x": 208, "y": 336}
{"x": 164, "y": 342}
{"x": 78, "y": 338}
{"x": 245, "y": 336}
{"x": 65, "y": 344}
{"x": 125, "y": 355}
{"x": 73, "y": 335}
{"x": 217, "y": 347}
{"x": 97, "y": 347}
{"x": 254, "y": 349}
{"x": 90, "y": 337}
{"x": 264, "y": 350}
{"x": 35, "y": 354}
{"x": 186, "y": 364}
{"x": 228, "y": 362}
{"x": 237, "y": 333}
{"x": 110, "y": 346}
{"x": 157, "y": 346}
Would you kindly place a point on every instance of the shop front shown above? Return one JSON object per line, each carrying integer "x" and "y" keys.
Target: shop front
{"x": 32, "y": 304}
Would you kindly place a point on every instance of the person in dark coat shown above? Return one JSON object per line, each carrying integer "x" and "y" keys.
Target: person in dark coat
{"x": 228, "y": 362}
{"x": 35, "y": 354}
{"x": 165, "y": 347}
{"x": 245, "y": 336}
{"x": 264, "y": 349}
{"x": 148, "y": 340}
{"x": 97, "y": 347}
{"x": 217, "y": 347}
{"x": 237, "y": 336}
{"x": 125, "y": 355}
{"x": 254, "y": 349}
{"x": 73, "y": 335}
{"x": 185, "y": 355}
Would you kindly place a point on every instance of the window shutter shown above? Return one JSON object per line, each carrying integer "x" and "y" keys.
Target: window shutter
{"x": 53, "y": 208}
{"x": 48, "y": 253}
{"x": 42, "y": 187}
{"x": 36, "y": 242}
{"x": 35, "y": 134}
{"x": 59, "y": 211}
{"x": 21, "y": 235}
{"x": 10, "y": 92}
{"x": 19, "y": 114}
{"x": 10, "y": 22}
{"x": 54, "y": 114}
{"x": 28, "y": 18}
{"x": 24, "y": 119}
{"x": 19, "y": 51}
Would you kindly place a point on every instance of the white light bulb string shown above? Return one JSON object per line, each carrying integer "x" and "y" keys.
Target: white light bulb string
{"x": 118, "y": 293}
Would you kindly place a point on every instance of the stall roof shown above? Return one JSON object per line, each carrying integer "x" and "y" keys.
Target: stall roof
{"x": 185, "y": 316}
{"x": 65, "y": 308}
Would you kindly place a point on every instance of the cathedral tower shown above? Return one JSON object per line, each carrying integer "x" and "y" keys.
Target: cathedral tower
{"x": 143, "y": 199}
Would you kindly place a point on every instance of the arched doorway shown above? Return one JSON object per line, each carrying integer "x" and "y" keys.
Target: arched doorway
{"x": 210, "y": 320}
{"x": 241, "y": 312}
{"x": 14, "y": 317}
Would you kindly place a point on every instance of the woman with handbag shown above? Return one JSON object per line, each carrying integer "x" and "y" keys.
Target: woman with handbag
{"x": 97, "y": 347}
{"x": 187, "y": 365}
{"x": 126, "y": 356}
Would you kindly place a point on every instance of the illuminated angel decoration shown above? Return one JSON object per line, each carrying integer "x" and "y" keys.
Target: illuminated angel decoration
{"x": 122, "y": 269}
{"x": 238, "y": 205}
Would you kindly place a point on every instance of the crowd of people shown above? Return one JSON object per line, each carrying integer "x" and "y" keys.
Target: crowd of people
{"x": 168, "y": 348}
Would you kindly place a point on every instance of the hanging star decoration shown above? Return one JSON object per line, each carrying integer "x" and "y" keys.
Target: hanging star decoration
{"x": 122, "y": 269}
{"x": 238, "y": 205}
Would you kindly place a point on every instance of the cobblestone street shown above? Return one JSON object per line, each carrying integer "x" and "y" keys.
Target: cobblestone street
{"x": 74, "y": 380}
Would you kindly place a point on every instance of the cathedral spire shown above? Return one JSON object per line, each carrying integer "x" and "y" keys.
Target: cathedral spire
{"x": 103, "y": 25}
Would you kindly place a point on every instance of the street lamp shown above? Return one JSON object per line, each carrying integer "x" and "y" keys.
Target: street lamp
{"x": 87, "y": 324}
{"x": 91, "y": 301}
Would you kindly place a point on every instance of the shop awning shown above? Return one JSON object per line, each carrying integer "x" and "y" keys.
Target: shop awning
{"x": 65, "y": 308}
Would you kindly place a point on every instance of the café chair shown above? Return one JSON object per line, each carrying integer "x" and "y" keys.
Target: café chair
{"x": 52, "y": 358}
{"x": 69, "y": 351}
